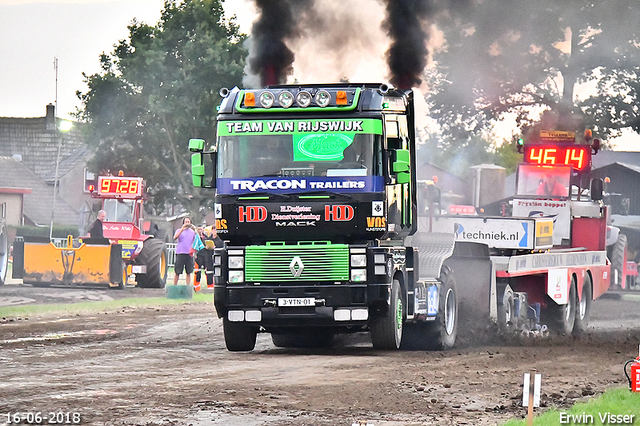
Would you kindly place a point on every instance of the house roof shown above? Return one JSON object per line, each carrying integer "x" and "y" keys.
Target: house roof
{"x": 37, "y": 203}
{"x": 79, "y": 156}
{"x": 605, "y": 157}
{"x": 36, "y": 144}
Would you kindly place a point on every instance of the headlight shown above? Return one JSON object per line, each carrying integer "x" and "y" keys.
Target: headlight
{"x": 379, "y": 258}
{"x": 267, "y": 99}
{"x": 236, "y": 262}
{"x": 358, "y": 275}
{"x": 303, "y": 98}
{"x": 217, "y": 260}
{"x": 236, "y": 276}
{"x": 358, "y": 260}
{"x": 323, "y": 98}
{"x": 285, "y": 99}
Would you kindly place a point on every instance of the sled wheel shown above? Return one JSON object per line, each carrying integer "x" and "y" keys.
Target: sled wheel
{"x": 444, "y": 330}
{"x": 386, "y": 327}
{"x": 617, "y": 260}
{"x": 562, "y": 317}
{"x": 584, "y": 307}
{"x": 506, "y": 309}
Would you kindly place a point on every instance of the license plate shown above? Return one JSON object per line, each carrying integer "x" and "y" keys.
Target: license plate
{"x": 297, "y": 301}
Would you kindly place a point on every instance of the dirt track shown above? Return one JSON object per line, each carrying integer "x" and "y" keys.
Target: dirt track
{"x": 168, "y": 366}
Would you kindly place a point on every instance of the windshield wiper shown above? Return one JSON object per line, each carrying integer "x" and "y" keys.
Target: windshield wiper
{"x": 266, "y": 194}
{"x": 324, "y": 192}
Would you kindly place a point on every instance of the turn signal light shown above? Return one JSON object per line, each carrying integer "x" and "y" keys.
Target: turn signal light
{"x": 341, "y": 97}
{"x": 249, "y": 99}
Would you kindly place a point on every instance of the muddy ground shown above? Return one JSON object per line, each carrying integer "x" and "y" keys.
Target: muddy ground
{"x": 168, "y": 366}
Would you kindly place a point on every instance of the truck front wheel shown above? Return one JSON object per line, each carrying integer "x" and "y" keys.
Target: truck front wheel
{"x": 239, "y": 337}
{"x": 386, "y": 328}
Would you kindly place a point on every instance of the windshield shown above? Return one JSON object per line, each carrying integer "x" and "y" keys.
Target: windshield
{"x": 543, "y": 181}
{"x": 256, "y": 149}
{"x": 288, "y": 155}
{"x": 119, "y": 210}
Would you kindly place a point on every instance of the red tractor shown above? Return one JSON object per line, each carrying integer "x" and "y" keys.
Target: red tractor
{"x": 143, "y": 252}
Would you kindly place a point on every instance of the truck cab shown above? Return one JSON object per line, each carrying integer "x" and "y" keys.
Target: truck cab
{"x": 315, "y": 196}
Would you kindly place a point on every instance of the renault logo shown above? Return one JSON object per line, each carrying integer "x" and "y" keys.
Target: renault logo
{"x": 296, "y": 266}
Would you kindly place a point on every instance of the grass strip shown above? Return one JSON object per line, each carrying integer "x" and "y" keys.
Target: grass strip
{"x": 33, "y": 310}
{"x": 609, "y": 408}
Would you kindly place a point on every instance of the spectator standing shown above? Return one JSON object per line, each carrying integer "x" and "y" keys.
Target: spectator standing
{"x": 184, "y": 236}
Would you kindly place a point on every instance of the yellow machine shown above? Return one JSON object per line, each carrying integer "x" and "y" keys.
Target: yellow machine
{"x": 93, "y": 262}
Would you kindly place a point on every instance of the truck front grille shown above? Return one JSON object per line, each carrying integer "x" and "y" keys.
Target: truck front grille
{"x": 280, "y": 262}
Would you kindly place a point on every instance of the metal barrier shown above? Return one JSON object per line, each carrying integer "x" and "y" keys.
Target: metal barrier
{"x": 171, "y": 254}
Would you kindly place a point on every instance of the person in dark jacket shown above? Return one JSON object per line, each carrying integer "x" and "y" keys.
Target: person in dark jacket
{"x": 96, "y": 228}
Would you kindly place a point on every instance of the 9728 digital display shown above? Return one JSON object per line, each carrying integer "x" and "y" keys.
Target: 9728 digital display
{"x": 577, "y": 156}
{"x": 126, "y": 187}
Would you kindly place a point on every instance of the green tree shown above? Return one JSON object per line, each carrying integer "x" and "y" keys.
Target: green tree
{"x": 158, "y": 89}
{"x": 522, "y": 57}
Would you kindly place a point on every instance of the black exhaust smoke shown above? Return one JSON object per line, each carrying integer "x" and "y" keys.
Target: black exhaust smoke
{"x": 407, "y": 24}
{"x": 407, "y": 55}
{"x": 270, "y": 61}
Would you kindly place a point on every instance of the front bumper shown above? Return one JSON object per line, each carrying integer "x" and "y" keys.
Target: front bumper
{"x": 320, "y": 305}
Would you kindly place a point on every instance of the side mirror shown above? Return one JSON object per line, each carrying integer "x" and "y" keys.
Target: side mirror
{"x": 196, "y": 145}
{"x": 402, "y": 166}
{"x": 596, "y": 189}
{"x": 197, "y": 169}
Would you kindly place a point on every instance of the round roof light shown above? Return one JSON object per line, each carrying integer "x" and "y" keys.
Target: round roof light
{"x": 267, "y": 99}
{"x": 285, "y": 99}
{"x": 323, "y": 98}
{"x": 303, "y": 98}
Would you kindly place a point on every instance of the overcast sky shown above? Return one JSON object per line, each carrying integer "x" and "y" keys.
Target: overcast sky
{"x": 34, "y": 32}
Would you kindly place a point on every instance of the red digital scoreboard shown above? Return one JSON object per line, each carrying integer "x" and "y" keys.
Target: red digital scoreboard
{"x": 575, "y": 155}
{"x": 119, "y": 186}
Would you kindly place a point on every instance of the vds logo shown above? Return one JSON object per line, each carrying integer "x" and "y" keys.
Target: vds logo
{"x": 338, "y": 213}
{"x": 252, "y": 214}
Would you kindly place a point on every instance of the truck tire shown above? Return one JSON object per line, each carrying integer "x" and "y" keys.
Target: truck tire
{"x": 583, "y": 310}
{"x": 562, "y": 318}
{"x": 154, "y": 255}
{"x": 239, "y": 337}
{"x": 312, "y": 337}
{"x": 444, "y": 330}
{"x": 4, "y": 253}
{"x": 617, "y": 259}
{"x": 386, "y": 328}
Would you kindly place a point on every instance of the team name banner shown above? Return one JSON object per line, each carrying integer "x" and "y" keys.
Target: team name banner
{"x": 231, "y": 186}
{"x": 269, "y": 127}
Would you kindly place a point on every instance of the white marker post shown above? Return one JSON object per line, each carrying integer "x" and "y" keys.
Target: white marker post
{"x": 531, "y": 399}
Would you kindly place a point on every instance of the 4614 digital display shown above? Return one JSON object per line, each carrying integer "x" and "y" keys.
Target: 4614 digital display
{"x": 126, "y": 187}
{"x": 577, "y": 156}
